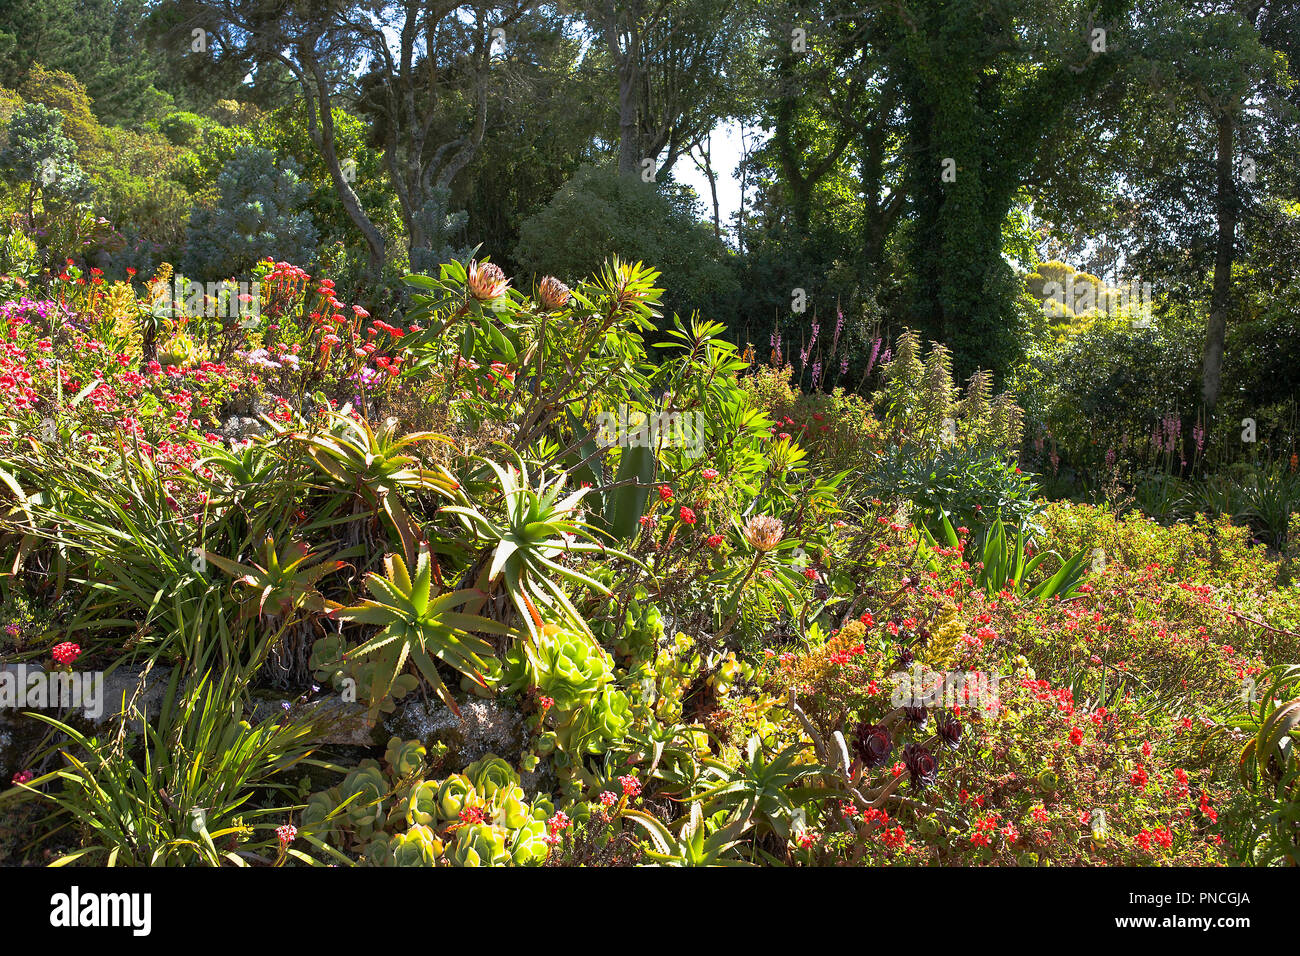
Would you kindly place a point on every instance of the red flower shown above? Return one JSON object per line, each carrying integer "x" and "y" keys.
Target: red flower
{"x": 687, "y": 515}
{"x": 66, "y": 653}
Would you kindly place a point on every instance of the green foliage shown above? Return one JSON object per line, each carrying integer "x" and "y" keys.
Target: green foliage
{"x": 185, "y": 803}
{"x": 419, "y": 622}
{"x": 1005, "y": 563}
{"x": 694, "y": 844}
{"x": 970, "y": 486}
{"x": 524, "y": 547}
{"x": 760, "y": 790}
{"x": 1269, "y": 769}
{"x": 41, "y": 158}
{"x": 599, "y": 213}
{"x": 259, "y": 214}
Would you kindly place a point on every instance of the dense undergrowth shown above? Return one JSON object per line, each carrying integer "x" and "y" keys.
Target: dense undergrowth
{"x": 722, "y": 620}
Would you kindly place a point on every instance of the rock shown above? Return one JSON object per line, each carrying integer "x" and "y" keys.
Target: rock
{"x": 239, "y": 427}
{"x": 341, "y": 723}
{"x": 483, "y": 727}
{"x": 121, "y": 687}
{"x": 115, "y": 693}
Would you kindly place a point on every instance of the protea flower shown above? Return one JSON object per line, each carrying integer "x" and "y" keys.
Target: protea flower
{"x": 922, "y": 768}
{"x": 873, "y": 744}
{"x": 763, "y": 532}
{"x": 950, "y": 731}
{"x": 486, "y": 281}
{"x": 553, "y": 293}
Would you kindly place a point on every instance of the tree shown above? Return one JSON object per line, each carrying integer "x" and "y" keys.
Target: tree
{"x": 259, "y": 214}
{"x": 677, "y": 64}
{"x": 1169, "y": 180}
{"x": 1216, "y": 54}
{"x": 601, "y": 213}
{"x": 101, "y": 42}
{"x": 982, "y": 85}
{"x": 39, "y": 156}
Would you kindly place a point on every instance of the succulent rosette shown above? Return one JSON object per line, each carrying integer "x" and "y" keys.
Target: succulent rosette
{"x": 365, "y": 787}
{"x": 418, "y": 846}
{"x": 490, "y": 775}
{"x": 480, "y": 845}
{"x": 949, "y": 730}
{"x": 454, "y": 794}
{"x": 873, "y": 744}
{"x": 922, "y": 767}
{"x": 422, "y": 806}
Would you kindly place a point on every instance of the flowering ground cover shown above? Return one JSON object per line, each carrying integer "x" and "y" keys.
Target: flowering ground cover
{"x": 541, "y": 578}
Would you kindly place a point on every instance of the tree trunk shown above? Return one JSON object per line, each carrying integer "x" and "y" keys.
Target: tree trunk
{"x": 317, "y": 103}
{"x": 1226, "y": 213}
{"x": 707, "y": 168}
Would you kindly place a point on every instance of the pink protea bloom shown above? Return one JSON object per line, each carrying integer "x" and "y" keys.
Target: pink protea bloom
{"x": 486, "y": 281}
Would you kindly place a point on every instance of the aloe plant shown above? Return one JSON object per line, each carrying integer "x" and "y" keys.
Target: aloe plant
{"x": 1006, "y": 565}
{"x": 523, "y": 547}
{"x": 419, "y": 622}
{"x": 761, "y": 790}
{"x": 286, "y": 579}
{"x": 694, "y": 845}
{"x": 376, "y": 465}
{"x": 1269, "y": 768}
{"x": 187, "y": 801}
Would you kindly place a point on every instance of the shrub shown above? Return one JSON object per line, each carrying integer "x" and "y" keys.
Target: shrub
{"x": 42, "y": 159}
{"x": 259, "y": 215}
{"x": 599, "y": 213}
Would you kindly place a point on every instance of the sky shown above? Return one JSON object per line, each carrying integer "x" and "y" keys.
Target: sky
{"x": 727, "y": 152}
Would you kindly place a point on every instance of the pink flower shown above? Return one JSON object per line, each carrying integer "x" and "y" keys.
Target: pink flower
{"x": 287, "y": 834}
{"x": 709, "y": 474}
{"x": 557, "y": 825}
